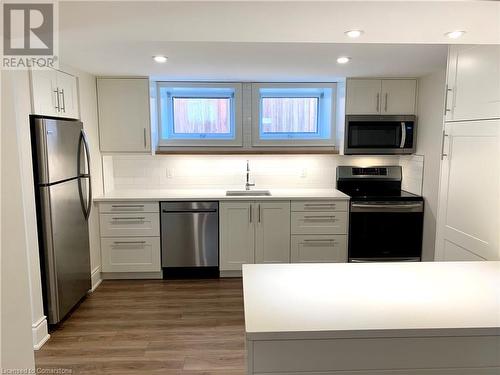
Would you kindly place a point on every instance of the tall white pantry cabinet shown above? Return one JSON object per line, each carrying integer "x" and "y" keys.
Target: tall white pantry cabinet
{"x": 469, "y": 199}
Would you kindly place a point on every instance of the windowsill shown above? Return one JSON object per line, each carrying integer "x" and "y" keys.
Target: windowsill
{"x": 232, "y": 150}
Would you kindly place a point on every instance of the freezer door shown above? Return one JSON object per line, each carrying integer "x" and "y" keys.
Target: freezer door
{"x": 65, "y": 248}
{"x": 57, "y": 152}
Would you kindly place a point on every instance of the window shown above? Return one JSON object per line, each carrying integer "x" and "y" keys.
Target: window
{"x": 293, "y": 114}
{"x": 196, "y": 114}
{"x": 207, "y": 114}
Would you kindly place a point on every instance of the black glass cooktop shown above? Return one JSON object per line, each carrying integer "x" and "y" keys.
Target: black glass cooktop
{"x": 400, "y": 195}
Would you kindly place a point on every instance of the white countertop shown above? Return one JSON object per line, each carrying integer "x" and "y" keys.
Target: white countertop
{"x": 371, "y": 300}
{"x": 217, "y": 194}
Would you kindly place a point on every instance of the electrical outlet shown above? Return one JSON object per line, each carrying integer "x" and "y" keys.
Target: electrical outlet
{"x": 303, "y": 173}
{"x": 170, "y": 173}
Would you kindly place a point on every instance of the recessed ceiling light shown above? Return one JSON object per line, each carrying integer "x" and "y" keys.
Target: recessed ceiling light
{"x": 160, "y": 59}
{"x": 455, "y": 34}
{"x": 354, "y": 33}
{"x": 343, "y": 60}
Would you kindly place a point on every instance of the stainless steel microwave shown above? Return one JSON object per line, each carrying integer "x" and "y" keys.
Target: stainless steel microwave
{"x": 376, "y": 134}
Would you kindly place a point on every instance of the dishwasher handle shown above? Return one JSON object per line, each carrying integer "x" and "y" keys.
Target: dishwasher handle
{"x": 188, "y": 211}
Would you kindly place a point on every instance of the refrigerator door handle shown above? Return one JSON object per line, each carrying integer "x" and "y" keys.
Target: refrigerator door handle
{"x": 85, "y": 207}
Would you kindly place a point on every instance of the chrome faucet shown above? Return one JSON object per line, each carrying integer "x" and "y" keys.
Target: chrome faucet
{"x": 248, "y": 184}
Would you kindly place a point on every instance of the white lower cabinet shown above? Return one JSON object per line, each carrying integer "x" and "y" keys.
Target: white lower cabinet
{"x": 237, "y": 235}
{"x": 254, "y": 232}
{"x": 281, "y": 232}
{"x": 319, "y": 222}
{"x": 130, "y": 254}
{"x": 130, "y": 224}
{"x": 319, "y": 248}
{"x": 130, "y": 239}
{"x": 319, "y": 231}
{"x": 272, "y": 235}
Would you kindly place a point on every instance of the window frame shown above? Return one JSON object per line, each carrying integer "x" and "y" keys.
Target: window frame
{"x": 325, "y": 120}
{"x": 235, "y": 115}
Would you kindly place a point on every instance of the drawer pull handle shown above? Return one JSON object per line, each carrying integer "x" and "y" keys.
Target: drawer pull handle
{"x": 319, "y": 204}
{"x": 127, "y": 205}
{"x": 320, "y": 217}
{"x": 320, "y": 240}
{"x": 128, "y": 242}
{"x": 128, "y": 218}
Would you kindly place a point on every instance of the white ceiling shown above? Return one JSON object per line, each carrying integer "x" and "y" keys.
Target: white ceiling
{"x": 259, "y": 61}
{"x": 267, "y": 40}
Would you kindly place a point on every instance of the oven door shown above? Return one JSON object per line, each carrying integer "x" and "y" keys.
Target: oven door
{"x": 380, "y": 134}
{"x": 385, "y": 231}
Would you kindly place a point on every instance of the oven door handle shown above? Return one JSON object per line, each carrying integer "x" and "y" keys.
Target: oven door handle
{"x": 377, "y": 207}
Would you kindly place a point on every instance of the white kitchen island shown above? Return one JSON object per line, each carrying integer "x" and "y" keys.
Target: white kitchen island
{"x": 373, "y": 319}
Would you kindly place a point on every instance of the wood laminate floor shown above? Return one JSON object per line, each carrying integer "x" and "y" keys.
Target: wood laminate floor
{"x": 153, "y": 327}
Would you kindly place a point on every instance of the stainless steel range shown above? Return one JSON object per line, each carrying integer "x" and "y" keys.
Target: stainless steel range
{"x": 385, "y": 222}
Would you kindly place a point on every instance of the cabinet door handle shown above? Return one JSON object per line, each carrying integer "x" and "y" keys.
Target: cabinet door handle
{"x": 386, "y": 97}
{"x": 378, "y": 102}
{"x": 250, "y": 211}
{"x": 57, "y": 107}
{"x": 442, "y": 145}
{"x": 446, "y": 109}
{"x": 145, "y": 145}
{"x": 63, "y": 108}
{"x": 259, "y": 213}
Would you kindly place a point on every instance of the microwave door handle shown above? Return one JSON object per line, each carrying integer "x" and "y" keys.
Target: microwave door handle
{"x": 403, "y": 135}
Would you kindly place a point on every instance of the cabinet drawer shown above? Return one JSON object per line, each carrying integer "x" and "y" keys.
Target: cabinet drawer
{"x": 326, "y": 205}
{"x": 319, "y": 248}
{"x": 129, "y": 207}
{"x": 133, "y": 224}
{"x": 319, "y": 223}
{"x": 131, "y": 254}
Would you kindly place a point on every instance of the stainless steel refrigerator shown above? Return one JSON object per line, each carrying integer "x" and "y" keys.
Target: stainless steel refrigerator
{"x": 61, "y": 163}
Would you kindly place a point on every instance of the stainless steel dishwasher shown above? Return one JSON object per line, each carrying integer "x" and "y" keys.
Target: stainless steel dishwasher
{"x": 190, "y": 239}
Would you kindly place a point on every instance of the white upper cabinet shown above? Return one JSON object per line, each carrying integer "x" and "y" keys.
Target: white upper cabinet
{"x": 54, "y": 93}
{"x": 124, "y": 120}
{"x": 473, "y": 82}
{"x": 469, "y": 201}
{"x": 381, "y": 96}
{"x": 68, "y": 94}
{"x": 363, "y": 96}
{"x": 272, "y": 235}
{"x": 398, "y": 96}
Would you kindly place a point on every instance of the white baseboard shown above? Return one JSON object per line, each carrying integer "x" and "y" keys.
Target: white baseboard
{"x": 40, "y": 332}
{"x": 131, "y": 275}
{"x": 96, "y": 278}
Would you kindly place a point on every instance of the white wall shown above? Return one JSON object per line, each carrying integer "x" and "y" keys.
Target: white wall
{"x": 430, "y": 126}
{"x": 21, "y": 87}
{"x": 16, "y": 336}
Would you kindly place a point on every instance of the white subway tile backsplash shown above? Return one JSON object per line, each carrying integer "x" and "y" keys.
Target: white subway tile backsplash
{"x": 413, "y": 172}
{"x": 228, "y": 171}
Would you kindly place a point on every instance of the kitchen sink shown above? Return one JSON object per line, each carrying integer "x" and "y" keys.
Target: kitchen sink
{"x": 248, "y": 193}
